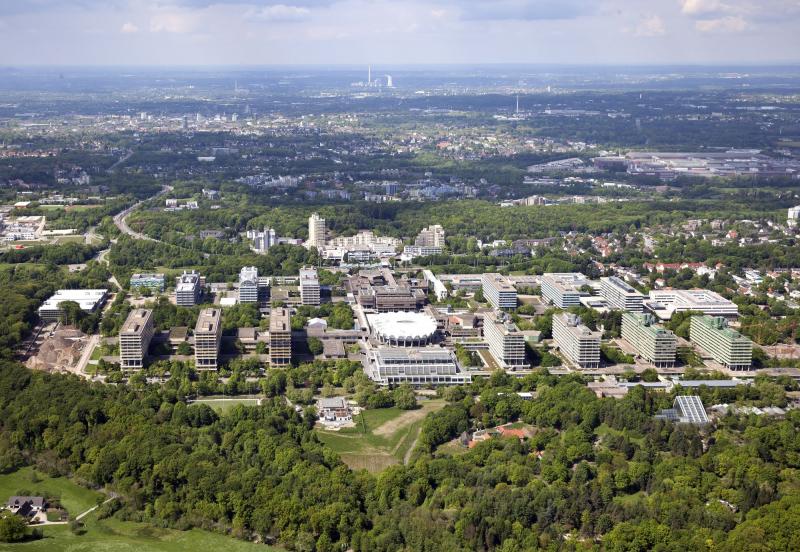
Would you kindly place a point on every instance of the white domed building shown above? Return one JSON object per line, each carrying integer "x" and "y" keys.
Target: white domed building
{"x": 403, "y": 329}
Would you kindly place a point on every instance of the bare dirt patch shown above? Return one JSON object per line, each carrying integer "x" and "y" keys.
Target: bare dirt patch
{"x": 405, "y": 419}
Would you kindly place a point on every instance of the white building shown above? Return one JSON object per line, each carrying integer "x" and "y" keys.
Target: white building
{"x": 432, "y": 236}
{"x": 309, "y": 286}
{"x": 89, "y": 300}
{"x": 435, "y": 285}
{"x": 506, "y": 342}
{"x": 563, "y": 289}
{"x": 207, "y": 337}
{"x": 620, "y": 295}
{"x": 499, "y": 291}
{"x": 665, "y": 302}
{"x": 134, "y": 339}
{"x": 248, "y": 284}
{"x": 575, "y": 341}
{"x": 793, "y": 217}
{"x": 262, "y": 240}
{"x": 416, "y": 366}
{"x": 317, "y": 231}
{"x": 187, "y": 289}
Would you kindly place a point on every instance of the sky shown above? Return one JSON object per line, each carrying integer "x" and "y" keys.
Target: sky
{"x": 391, "y": 32}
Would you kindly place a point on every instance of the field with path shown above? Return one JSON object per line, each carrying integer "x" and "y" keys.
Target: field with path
{"x": 111, "y": 535}
{"x": 108, "y": 535}
{"x": 74, "y": 498}
{"x": 381, "y": 438}
{"x": 224, "y": 405}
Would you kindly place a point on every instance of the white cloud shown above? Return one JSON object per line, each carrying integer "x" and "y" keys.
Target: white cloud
{"x": 171, "y": 22}
{"x": 279, "y": 12}
{"x": 728, "y": 24}
{"x": 129, "y": 28}
{"x": 650, "y": 26}
{"x": 702, "y": 7}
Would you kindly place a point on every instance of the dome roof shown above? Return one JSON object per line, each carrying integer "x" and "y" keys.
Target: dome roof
{"x": 403, "y": 325}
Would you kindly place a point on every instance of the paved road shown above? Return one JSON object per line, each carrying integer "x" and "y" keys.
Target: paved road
{"x": 80, "y": 368}
{"x": 120, "y": 219}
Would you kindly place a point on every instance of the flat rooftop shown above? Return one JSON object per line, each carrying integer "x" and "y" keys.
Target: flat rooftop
{"x": 280, "y": 320}
{"x": 86, "y": 298}
{"x": 498, "y": 281}
{"x": 136, "y": 321}
{"x": 208, "y": 321}
{"x": 565, "y": 281}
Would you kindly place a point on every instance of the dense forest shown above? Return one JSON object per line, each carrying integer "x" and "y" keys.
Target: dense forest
{"x": 598, "y": 474}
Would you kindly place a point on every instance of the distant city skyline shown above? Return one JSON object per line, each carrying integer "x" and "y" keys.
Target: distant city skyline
{"x": 386, "y": 32}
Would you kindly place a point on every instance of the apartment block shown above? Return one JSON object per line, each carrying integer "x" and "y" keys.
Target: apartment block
{"x": 309, "y": 286}
{"x": 724, "y": 344}
{"x": 653, "y": 343}
{"x": 620, "y": 295}
{"x": 134, "y": 339}
{"x": 188, "y": 288}
{"x": 499, "y": 291}
{"x": 248, "y": 284}
{"x": 280, "y": 337}
{"x": 563, "y": 289}
{"x": 575, "y": 341}
{"x": 432, "y": 236}
{"x": 506, "y": 342}
{"x": 317, "y": 231}
{"x": 207, "y": 337}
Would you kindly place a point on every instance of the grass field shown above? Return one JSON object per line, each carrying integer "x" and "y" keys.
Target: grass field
{"x": 111, "y": 535}
{"x": 74, "y": 498}
{"x": 222, "y": 406}
{"x": 108, "y": 535}
{"x": 389, "y": 437}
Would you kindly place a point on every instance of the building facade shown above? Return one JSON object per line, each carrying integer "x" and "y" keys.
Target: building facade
{"x": 89, "y": 301}
{"x": 724, "y": 344}
{"x": 248, "y": 284}
{"x": 207, "y": 337}
{"x": 309, "y": 286}
{"x": 575, "y": 341}
{"x": 432, "y": 236}
{"x": 653, "y": 343}
{"x": 499, "y": 291}
{"x": 187, "y": 289}
{"x": 153, "y": 282}
{"x": 506, "y": 342}
{"x": 280, "y": 337}
{"x": 563, "y": 289}
{"x": 134, "y": 339}
{"x": 415, "y": 366}
{"x": 620, "y": 295}
{"x": 317, "y": 231}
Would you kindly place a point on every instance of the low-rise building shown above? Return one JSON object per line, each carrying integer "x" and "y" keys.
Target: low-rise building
{"x": 724, "y": 344}
{"x": 506, "y": 342}
{"x": 134, "y": 339}
{"x": 280, "y": 337}
{"x": 653, "y": 343}
{"x": 687, "y": 409}
{"x": 151, "y": 281}
{"x": 207, "y": 337}
{"x": 499, "y": 291}
{"x": 575, "y": 341}
{"x": 415, "y": 366}
{"x": 620, "y": 295}
{"x": 665, "y": 302}
{"x": 89, "y": 301}
{"x": 563, "y": 289}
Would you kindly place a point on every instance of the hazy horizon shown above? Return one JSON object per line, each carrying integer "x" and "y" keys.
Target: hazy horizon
{"x": 213, "y": 33}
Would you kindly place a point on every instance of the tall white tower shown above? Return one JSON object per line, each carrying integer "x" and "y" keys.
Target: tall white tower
{"x": 316, "y": 231}
{"x": 389, "y": 82}
{"x": 369, "y": 74}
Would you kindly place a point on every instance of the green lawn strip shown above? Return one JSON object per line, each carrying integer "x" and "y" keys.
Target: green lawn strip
{"x": 73, "y": 497}
{"x": 111, "y": 535}
{"x": 225, "y": 406}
